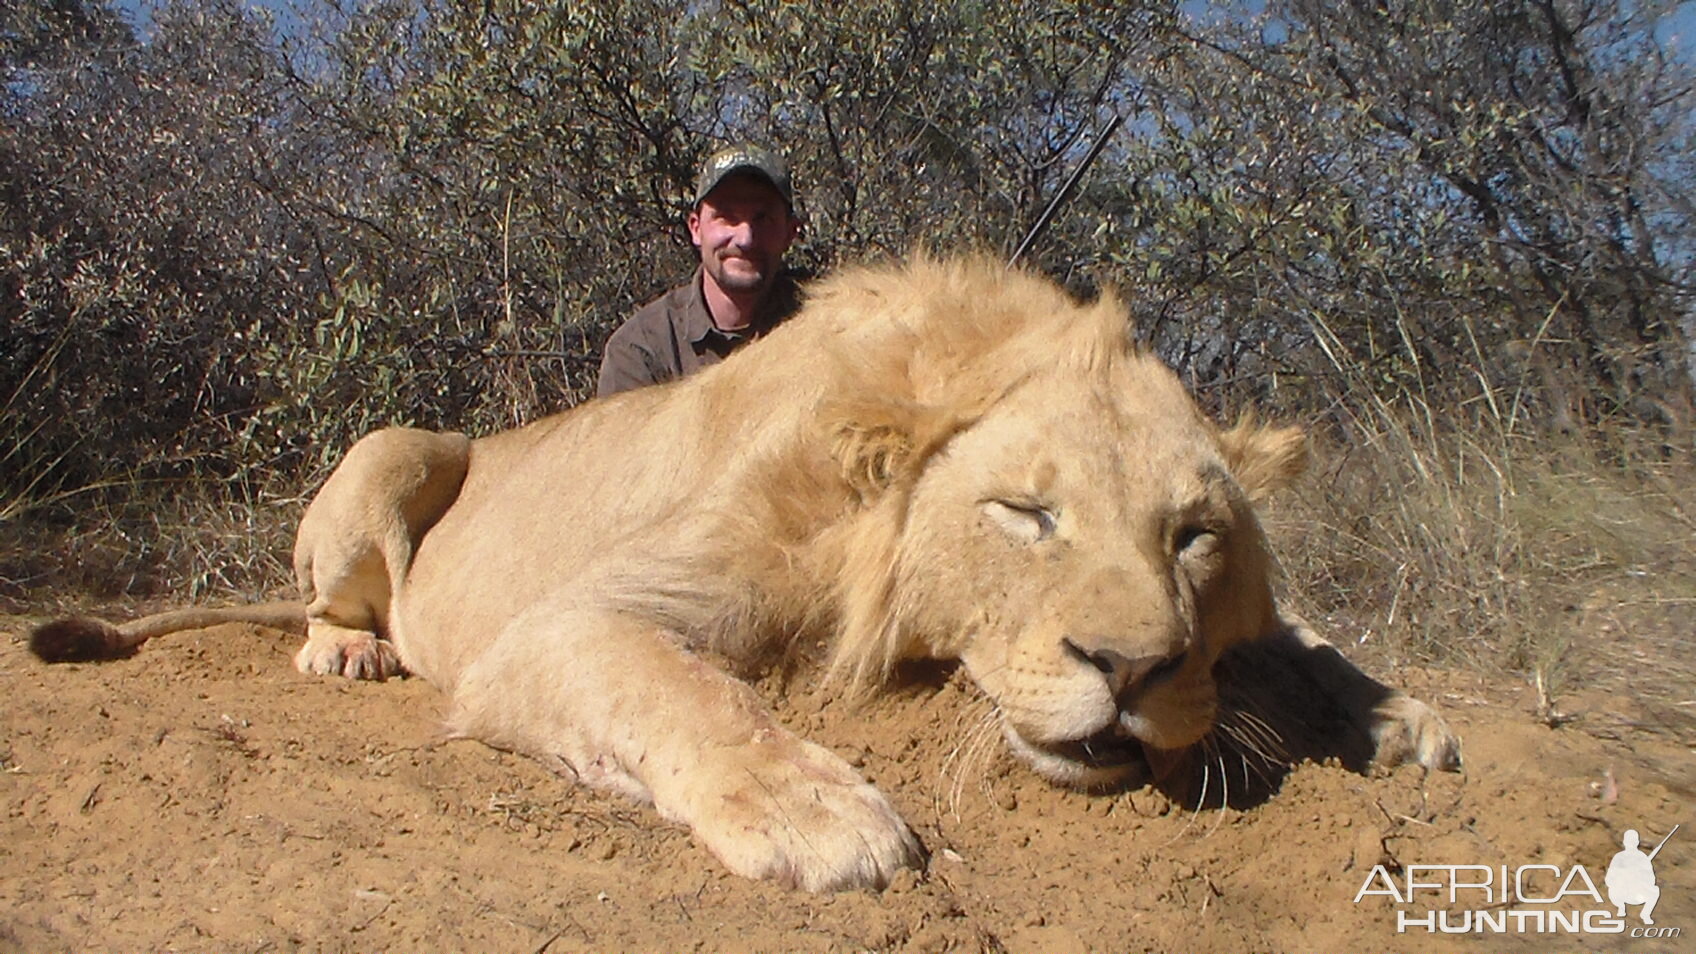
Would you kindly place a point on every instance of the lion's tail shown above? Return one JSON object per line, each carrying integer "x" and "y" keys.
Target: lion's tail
{"x": 82, "y": 639}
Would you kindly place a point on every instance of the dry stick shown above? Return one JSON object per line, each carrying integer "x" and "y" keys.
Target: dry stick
{"x": 1530, "y": 353}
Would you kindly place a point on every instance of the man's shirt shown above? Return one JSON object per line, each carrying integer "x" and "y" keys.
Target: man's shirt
{"x": 674, "y": 335}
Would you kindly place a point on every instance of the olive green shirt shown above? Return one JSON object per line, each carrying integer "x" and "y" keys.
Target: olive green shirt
{"x": 674, "y": 336}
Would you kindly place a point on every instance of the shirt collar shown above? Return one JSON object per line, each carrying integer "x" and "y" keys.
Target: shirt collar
{"x": 698, "y": 321}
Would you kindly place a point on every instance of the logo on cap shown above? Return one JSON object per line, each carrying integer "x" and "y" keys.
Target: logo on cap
{"x": 743, "y": 159}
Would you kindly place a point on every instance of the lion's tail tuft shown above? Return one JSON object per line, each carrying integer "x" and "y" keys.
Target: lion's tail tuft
{"x": 80, "y": 639}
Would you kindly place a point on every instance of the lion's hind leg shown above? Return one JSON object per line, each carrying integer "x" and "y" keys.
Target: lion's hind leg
{"x": 356, "y": 542}
{"x": 356, "y": 652}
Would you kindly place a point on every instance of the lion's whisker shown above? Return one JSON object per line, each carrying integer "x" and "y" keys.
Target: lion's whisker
{"x": 1224, "y": 796}
{"x": 1245, "y": 742}
{"x": 955, "y": 768}
{"x": 1196, "y": 811}
{"x": 979, "y": 730}
{"x": 1250, "y": 728}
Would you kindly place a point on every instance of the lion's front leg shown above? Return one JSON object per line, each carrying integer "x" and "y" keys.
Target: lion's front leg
{"x": 630, "y": 710}
{"x": 779, "y": 807}
{"x": 1399, "y": 727}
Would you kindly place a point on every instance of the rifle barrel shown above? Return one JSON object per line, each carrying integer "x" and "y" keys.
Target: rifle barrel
{"x": 1065, "y": 192}
{"x": 1657, "y": 850}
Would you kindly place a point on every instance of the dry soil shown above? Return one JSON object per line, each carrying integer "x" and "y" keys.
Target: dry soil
{"x": 203, "y": 796}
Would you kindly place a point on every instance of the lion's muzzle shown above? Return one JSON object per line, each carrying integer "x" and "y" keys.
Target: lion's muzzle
{"x": 1128, "y": 675}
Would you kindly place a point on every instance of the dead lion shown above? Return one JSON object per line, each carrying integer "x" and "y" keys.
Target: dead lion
{"x": 937, "y": 460}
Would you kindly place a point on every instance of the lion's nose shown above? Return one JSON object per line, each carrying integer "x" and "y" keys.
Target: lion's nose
{"x": 1127, "y": 672}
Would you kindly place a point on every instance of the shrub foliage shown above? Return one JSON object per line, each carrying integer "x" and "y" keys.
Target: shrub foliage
{"x": 231, "y": 240}
{"x": 1454, "y": 237}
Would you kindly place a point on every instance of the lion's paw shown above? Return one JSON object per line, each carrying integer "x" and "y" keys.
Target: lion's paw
{"x": 356, "y": 654}
{"x": 785, "y": 809}
{"x": 1407, "y": 730}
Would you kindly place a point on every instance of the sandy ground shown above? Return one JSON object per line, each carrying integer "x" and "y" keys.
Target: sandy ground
{"x": 203, "y": 796}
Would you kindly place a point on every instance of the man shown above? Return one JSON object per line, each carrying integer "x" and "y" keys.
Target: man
{"x": 743, "y": 221}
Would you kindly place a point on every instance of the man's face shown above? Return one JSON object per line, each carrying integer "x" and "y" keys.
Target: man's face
{"x": 742, "y": 228}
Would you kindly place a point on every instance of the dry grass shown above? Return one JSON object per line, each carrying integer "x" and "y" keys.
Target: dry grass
{"x": 171, "y": 542}
{"x": 1450, "y": 547}
{"x": 1459, "y": 533}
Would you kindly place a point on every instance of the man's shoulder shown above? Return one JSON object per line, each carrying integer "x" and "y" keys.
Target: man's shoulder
{"x": 646, "y": 348}
{"x": 661, "y": 315}
{"x": 670, "y": 300}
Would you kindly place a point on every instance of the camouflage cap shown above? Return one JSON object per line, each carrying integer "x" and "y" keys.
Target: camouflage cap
{"x": 744, "y": 159}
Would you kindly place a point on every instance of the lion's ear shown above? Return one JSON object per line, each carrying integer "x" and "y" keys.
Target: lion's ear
{"x": 880, "y": 444}
{"x": 1263, "y": 459}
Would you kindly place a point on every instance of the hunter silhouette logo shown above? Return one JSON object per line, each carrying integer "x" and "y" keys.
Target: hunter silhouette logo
{"x": 1525, "y": 899}
{"x": 1631, "y": 876}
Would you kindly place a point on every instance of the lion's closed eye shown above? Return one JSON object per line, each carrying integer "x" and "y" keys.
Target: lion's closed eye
{"x": 1024, "y": 521}
{"x": 1194, "y": 540}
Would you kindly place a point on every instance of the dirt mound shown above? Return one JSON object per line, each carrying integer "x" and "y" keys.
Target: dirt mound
{"x": 203, "y": 796}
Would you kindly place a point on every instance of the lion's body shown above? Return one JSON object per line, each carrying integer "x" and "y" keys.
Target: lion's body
{"x": 941, "y": 460}
{"x": 646, "y": 504}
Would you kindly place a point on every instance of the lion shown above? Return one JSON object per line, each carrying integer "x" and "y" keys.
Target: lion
{"x": 942, "y": 459}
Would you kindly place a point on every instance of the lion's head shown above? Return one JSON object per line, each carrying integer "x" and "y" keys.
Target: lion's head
{"x": 1043, "y": 501}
